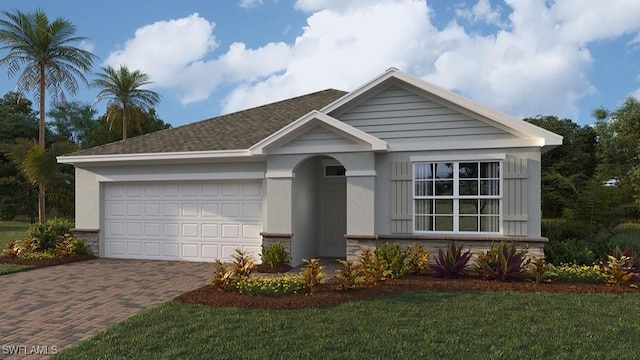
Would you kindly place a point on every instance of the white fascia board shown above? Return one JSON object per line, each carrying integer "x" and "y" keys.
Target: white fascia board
{"x": 307, "y": 121}
{"x": 151, "y": 157}
{"x": 516, "y": 126}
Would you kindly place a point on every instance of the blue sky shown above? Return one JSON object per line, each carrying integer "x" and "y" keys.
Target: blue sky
{"x": 524, "y": 57}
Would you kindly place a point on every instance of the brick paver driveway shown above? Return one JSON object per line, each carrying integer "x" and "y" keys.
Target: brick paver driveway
{"x": 59, "y": 306}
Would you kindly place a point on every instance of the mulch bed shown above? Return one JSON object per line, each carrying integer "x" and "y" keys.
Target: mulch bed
{"x": 327, "y": 295}
{"x": 46, "y": 262}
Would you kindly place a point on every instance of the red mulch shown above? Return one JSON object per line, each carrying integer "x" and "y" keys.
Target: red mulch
{"x": 46, "y": 262}
{"x": 327, "y": 295}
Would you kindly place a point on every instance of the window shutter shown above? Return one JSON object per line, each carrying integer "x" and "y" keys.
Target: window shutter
{"x": 401, "y": 198}
{"x": 515, "y": 196}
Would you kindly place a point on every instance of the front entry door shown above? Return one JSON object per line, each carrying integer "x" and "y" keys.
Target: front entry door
{"x": 335, "y": 214}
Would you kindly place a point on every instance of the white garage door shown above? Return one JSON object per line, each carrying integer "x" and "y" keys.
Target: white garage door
{"x": 195, "y": 221}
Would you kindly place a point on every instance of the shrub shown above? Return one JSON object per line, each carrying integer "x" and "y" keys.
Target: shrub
{"x": 271, "y": 286}
{"x": 539, "y": 270}
{"x": 417, "y": 259}
{"x": 502, "y": 262}
{"x": 11, "y": 248}
{"x": 349, "y": 275}
{"x": 47, "y": 233}
{"x": 453, "y": 263}
{"x": 274, "y": 255}
{"x": 578, "y": 273}
{"x": 242, "y": 263}
{"x": 228, "y": 275}
{"x": 373, "y": 267}
{"x": 570, "y": 251}
{"x": 621, "y": 267}
{"x": 67, "y": 245}
{"x": 393, "y": 257}
{"x": 312, "y": 274}
{"x": 223, "y": 275}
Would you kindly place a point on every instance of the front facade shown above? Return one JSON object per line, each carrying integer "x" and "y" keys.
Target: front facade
{"x": 327, "y": 174}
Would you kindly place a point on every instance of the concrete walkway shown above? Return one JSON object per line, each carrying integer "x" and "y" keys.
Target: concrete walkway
{"x": 45, "y": 310}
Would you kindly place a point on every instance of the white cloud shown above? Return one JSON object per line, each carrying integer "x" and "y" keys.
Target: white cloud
{"x": 169, "y": 52}
{"x": 341, "y": 50}
{"x": 87, "y": 45}
{"x": 536, "y": 62}
{"x": 481, "y": 11}
{"x": 250, "y": 3}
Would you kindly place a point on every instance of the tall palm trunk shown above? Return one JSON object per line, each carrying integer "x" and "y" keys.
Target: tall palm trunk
{"x": 125, "y": 123}
{"x": 42, "y": 209}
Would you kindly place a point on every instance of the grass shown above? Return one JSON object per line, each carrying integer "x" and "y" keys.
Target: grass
{"x": 12, "y": 268}
{"x": 427, "y": 324}
{"x": 12, "y": 230}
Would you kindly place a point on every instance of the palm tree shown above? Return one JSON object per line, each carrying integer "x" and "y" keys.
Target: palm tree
{"x": 37, "y": 166}
{"x": 51, "y": 63}
{"x": 126, "y": 98}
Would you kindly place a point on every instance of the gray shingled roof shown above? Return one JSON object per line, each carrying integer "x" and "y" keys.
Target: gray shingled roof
{"x": 235, "y": 131}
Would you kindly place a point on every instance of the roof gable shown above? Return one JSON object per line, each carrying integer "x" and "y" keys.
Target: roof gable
{"x": 502, "y": 124}
{"x": 317, "y": 133}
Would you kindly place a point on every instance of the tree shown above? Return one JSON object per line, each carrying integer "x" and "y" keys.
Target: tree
{"x": 17, "y": 120}
{"x": 126, "y": 97}
{"x": 39, "y": 166}
{"x": 567, "y": 169}
{"x": 51, "y": 63}
{"x": 73, "y": 122}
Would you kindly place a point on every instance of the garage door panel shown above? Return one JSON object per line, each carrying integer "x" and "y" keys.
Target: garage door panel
{"x": 193, "y": 221}
{"x": 134, "y": 248}
{"x": 170, "y": 250}
{"x": 190, "y": 230}
{"x": 209, "y": 230}
{"x": 134, "y": 229}
{"x": 171, "y": 229}
{"x": 190, "y": 209}
{"x": 152, "y": 248}
{"x": 190, "y": 250}
{"x": 152, "y": 209}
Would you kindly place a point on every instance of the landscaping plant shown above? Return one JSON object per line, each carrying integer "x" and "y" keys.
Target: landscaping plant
{"x": 349, "y": 275}
{"x": 242, "y": 263}
{"x": 223, "y": 275}
{"x": 313, "y": 273}
{"x": 393, "y": 257}
{"x": 502, "y": 262}
{"x": 373, "y": 267}
{"x": 540, "y": 270}
{"x": 67, "y": 245}
{"x": 47, "y": 233}
{"x": 417, "y": 259}
{"x": 621, "y": 267}
{"x": 271, "y": 286}
{"x": 275, "y": 255}
{"x": 578, "y": 273}
{"x": 227, "y": 275}
{"x": 453, "y": 262}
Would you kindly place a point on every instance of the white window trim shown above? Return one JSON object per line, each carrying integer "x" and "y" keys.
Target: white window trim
{"x": 456, "y": 196}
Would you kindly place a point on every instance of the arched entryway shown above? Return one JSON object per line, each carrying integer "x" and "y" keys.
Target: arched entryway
{"x": 319, "y": 209}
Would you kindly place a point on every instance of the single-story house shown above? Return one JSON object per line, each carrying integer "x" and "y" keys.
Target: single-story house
{"x": 327, "y": 174}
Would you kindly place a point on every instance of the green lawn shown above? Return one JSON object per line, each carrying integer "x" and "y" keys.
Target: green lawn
{"x": 12, "y": 268}
{"x": 428, "y": 324}
{"x": 12, "y": 230}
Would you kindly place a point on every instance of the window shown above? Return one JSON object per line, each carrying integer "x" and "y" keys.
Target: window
{"x": 334, "y": 170}
{"x": 457, "y": 196}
